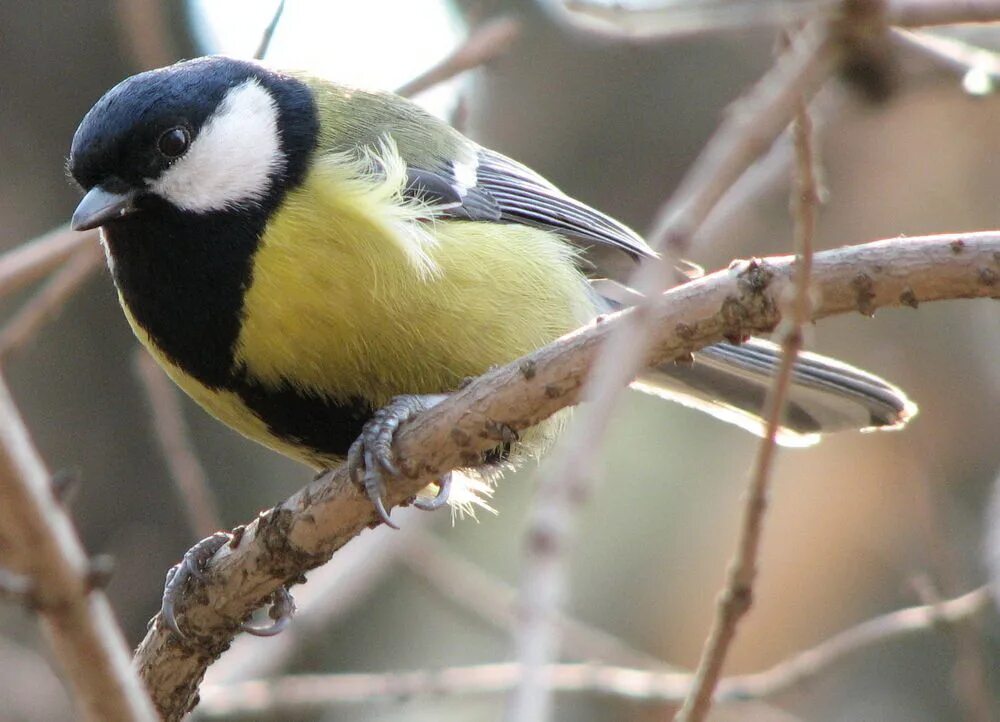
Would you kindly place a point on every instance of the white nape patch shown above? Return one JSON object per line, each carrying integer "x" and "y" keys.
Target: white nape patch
{"x": 231, "y": 159}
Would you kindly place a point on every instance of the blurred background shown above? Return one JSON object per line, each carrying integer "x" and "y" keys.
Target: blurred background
{"x": 857, "y": 526}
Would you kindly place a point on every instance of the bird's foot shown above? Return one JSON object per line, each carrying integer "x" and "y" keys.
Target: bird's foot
{"x": 438, "y": 500}
{"x": 370, "y": 458}
{"x": 281, "y": 612}
{"x": 193, "y": 566}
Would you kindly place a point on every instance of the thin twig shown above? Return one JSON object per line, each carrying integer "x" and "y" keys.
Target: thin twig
{"x": 673, "y": 20}
{"x": 143, "y": 33}
{"x": 486, "y": 43}
{"x": 40, "y": 541}
{"x": 751, "y": 127}
{"x": 35, "y": 259}
{"x": 268, "y": 34}
{"x": 496, "y": 602}
{"x": 175, "y": 444}
{"x": 808, "y": 665}
{"x": 737, "y": 597}
{"x": 967, "y": 60}
{"x": 306, "y": 529}
{"x": 305, "y": 692}
{"x": 644, "y": 23}
{"x": 16, "y": 587}
{"x": 49, "y": 300}
{"x": 969, "y": 675}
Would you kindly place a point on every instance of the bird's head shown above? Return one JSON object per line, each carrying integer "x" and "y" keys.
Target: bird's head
{"x": 203, "y": 136}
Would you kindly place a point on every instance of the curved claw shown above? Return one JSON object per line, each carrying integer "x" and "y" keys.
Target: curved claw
{"x": 440, "y": 499}
{"x": 191, "y": 565}
{"x": 371, "y": 455}
{"x": 282, "y": 610}
{"x": 373, "y": 488}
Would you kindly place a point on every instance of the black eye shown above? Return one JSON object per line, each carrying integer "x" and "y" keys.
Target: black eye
{"x": 174, "y": 142}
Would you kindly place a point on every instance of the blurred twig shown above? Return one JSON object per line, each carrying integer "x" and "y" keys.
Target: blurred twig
{"x": 306, "y": 529}
{"x": 40, "y": 542}
{"x": 300, "y": 692}
{"x": 37, "y": 258}
{"x": 970, "y": 679}
{"x": 737, "y": 597}
{"x": 142, "y": 30}
{"x": 959, "y": 56}
{"x": 486, "y": 43}
{"x": 49, "y": 300}
{"x": 753, "y": 124}
{"x": 496, "y": 602}
{"x": 809, "y": 664}
{"x": 268, "y": 34}
{"x": 178, "y": 452}
{"x": 669, "y": 20}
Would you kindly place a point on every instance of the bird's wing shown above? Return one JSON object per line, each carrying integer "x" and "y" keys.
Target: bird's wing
{"x": 492, "y": 187}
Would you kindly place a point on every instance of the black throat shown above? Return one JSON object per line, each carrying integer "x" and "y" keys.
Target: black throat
{"x": 183, "y": 277}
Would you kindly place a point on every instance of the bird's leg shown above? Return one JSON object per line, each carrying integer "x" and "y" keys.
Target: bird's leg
{"x": 371, "y": 457}
{"x": 193, "y": 565}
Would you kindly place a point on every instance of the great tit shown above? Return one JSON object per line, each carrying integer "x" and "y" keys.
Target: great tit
{"x": 298, "y": 255}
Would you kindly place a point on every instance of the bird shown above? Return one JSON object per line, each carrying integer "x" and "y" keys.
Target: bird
{"x": 314, "y": 264}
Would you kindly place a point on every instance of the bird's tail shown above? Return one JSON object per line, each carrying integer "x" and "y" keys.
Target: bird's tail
{"x": 730, "y": 383}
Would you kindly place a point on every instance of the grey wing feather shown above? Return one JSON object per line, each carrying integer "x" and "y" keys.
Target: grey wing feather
{"x": 496, "y": 188}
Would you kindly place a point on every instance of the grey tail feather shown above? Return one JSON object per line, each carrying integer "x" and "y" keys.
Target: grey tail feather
{"x": 730, "y": 382}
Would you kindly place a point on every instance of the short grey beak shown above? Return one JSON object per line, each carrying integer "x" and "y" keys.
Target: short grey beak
{"x": 100, "y": 206}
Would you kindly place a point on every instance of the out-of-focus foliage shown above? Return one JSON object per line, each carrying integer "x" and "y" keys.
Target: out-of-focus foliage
{"x": 852, "y": 521}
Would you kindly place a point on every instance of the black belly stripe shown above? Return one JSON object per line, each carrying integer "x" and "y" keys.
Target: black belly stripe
{"x": 322, "y": 425}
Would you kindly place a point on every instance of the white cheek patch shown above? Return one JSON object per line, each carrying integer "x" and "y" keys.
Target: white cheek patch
{"x": 232, "y": 158}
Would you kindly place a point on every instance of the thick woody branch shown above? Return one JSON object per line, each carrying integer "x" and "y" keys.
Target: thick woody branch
{"x": 305, "y": 530}
{"x": 41, "y": 545}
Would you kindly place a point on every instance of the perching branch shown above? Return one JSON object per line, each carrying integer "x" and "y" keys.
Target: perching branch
{"x": 486, "y": 43}
{"x": 300, "y": 693}
{"x": 306, "y": 529}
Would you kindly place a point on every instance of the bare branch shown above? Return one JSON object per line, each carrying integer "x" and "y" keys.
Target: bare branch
{"x": 49, "y": 300}
{"x": 496, "y": 602}
{"x": 37, "y": 258}
{"x": 808, "y": 665}
{"x": 925, "y": 13}
{"x": 753, "y": 124}
{"x": 486, "y": 43}
{"x": 306, "y": 529}
{"x": 178, "y": 452}
{"x": 41, "y": 543}
{"x": 268, "y": 34}
{"x": 979, "y": 68}
{"x": 750, "y": 127}
{"x": 735, "y": 600}
{"x": 305, "y": 692}
{"x": 645, "y": 23}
